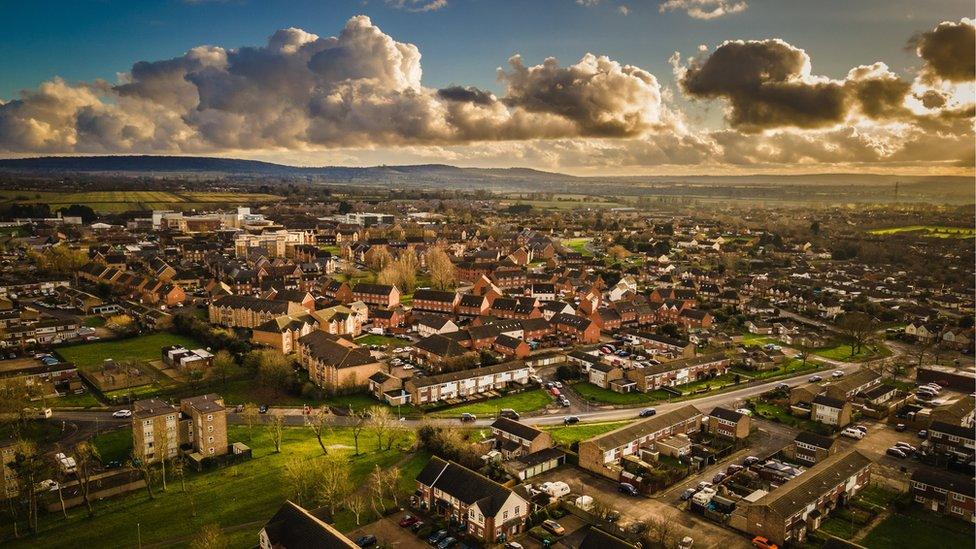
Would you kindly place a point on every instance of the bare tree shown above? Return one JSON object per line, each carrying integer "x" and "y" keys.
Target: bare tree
{"x": 318, "y": 422}
{"x": 661, "y": 529}
{"x": 335, "y": 483}
{"x": 377, "y": 487}
{"x": 392, "y": 480}
{"x": 251, "y": 416}
{"x": 86, "y": 454}
{"x": 146, "y": 469}
{"x": 360, "y": 421}
{"x": 276, "y": 429}
{"x": 858, "y": 328}
{"x": 357, "y": 505}
{"x": 299, "y": 473}
{"x": 379, "y": 423}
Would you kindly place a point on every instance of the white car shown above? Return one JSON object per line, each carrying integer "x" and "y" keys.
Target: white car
{"x": 744, "y": 411}
{"x": 837, "y": 373}
{"x": 850, "y": 432}
{"x": 122, "y": 413}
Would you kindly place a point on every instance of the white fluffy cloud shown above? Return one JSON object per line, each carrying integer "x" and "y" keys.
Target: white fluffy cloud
{"x": 704, "y": 9}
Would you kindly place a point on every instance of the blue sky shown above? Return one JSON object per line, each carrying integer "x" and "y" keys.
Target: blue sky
{"x": 462, "y": 43}
{"x": 755, "y": 108}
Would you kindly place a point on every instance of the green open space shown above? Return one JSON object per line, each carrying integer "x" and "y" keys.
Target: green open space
{"x": 779, "y": 414}
{"x": 568, "y": 434}
{"x": 121, "y": 201}
{"x": 84, "y": 400}
{"x": 527, "y": 401}
{"x": 142, "y": 348}
{"x": 245, "y": 494}
{"x": 578, "y": 245}
{"x": 919, "y": 529}
{"x": 114, "y": 445}
{"x": 592, "y": 393}
{"x": 374, "y": 339}
{"x": 937, "y": 231}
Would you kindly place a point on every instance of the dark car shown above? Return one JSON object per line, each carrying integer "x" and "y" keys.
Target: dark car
{"x": 647, "y": 412}
{"x": 446, "y": 543}
{"x": 900, "y": 427}
{"x": 686, "y": 495}
{"x": 468, "y": 417}
{"x": 750, "y": 461}
{"x": 366, "y": 541}
{"x": 782, "y": 387}
{"x": 896, "y": 452}
{"x": 509, "y": 413}
{"x": 923, "y": 434}
{"x": 436, "y": 537}
{"x": 612, "y": 515}
{"x": 114, "y": 464}
{"x": 415, "y": 527}
{"x": 408, "y": 520}
{"x": 569, "y": 420}
{"x": 263, "y": 409}
{"x": 719, "y": 477}
{"x": 732, "y": 469}
{"x": 627, "y": 488}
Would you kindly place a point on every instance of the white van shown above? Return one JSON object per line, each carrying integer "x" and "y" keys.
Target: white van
{"x": 556, "y": 489}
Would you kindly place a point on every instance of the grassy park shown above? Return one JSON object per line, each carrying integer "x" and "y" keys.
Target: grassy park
{"x": 568, "y": 434}
{"x": 528, "y": 401}
{"x": 936, "y": 231}
{"x": 142, "y": 348}
{"x": 592, "y": 393}
{"x": 242, "y": 496}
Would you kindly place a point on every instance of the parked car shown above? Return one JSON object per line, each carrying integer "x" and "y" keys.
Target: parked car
{"x": 564, "y": 402}
{"x": 263, "y": 409}
{"x": 744, "y": 411}
{"x": 782, "y": 387}
{"x": 408, "y": 520}
{"x": 558, "y": 384}
{"x": 122, "y": 413}
{"x": 436, "y": 537}
{"x": 446, "y": 543}
{"x": 719, "y": 477}
{"x": 569, "y": 420}
{"x": 906, "y": 447}
{"x": 366, "y": 541}
{"x": 686, "y": 542}
{"x": 513, "y": 545}
{"x": 686, "y": 495}
{"x": 750, "y": 460}
{"x": 813, "y": 379}
{"x": 627, "y": 488}
{"x": 733, "y": 469}
{"x": 417, "y": 526}
{"x": 647, "y": 412}
{"x": 509, "y": 413}
{"x": 896, "y": 452}
{"x": 763, "y": 543}
{"x": 850, "y": 432}
{"x": 837, "y": 373}
{"x": 468, "y": 417}
{"x": 861, "y": 428}
{"x": 923, "y": 434}
{"x": 704, "y": 484}
{"x": 553, "y": 527}
{"x": 900, "y": 427}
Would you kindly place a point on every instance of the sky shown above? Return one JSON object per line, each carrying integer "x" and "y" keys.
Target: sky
{"x": 578, "y": 86}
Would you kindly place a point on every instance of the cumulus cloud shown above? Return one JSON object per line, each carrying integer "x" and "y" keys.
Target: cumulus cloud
{"x": 947, "y": 51}
{"x": 704, "y": 9}
{"x": 302, "y": 91}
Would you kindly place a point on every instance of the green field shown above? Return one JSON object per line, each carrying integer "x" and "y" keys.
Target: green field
{"x": 529, "y": 401}
{"x": 243, "y": 495}
{"x": 121, "y": 201}
{"x": 578, "y": 245}
{"x": 919, "y": 529}
{"x": 566, "y": 435}
{"x": 373, "y": 339}
{"x": 936, "y": 231}
{"x": 592, "y": 393}
{"x": 142, "y": 348}
{"x": 114, "y": 445}
{"x": 842, "y": 352}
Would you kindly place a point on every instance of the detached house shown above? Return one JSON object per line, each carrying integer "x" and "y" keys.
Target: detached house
{"x": 485, "y": 509}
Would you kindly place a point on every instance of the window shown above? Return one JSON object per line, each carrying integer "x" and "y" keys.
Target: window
{"x": 920, "y": 498}
{"x": 210, "y": 439}
{"x": 210, "y": 428}
{"x": 505, "y": 515}
{"x": 956, "y": 496}
{"x": 209, "y": 417}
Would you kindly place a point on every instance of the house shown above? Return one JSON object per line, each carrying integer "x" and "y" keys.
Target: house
{"x": 603, "y": 374}
{"x": 293, "y": 527}
{"x": 282, "y": 332}
{"x": 810, "y": 448}
{"x": 335, "y": 363}
{"x": 238, "y": 311}
{"x": 830, "y": 411}
{"x": 679, "y": 372}
{"x": 850, "y": 385}
{"x": 465, "y": 383}
{"x": 471, "y": 305}
{"x": 435, "y": 301}
{"x": 511, "y": 346}
{"x": 951, "y": 438}
{"x": 659, "y": 342}
{"x": 602, "y": 454}
{"x": 428, "y": 325}
{"x": 377, "y": 295}
{"x": 337, "y": 291}
{"x": 485, "y": 509}
{"x": 944, "y": 492}
{"x": 341, "y": 319}
{"x": 582, "y": 329}
{"x": 514, "y": 439}
{"x": 726, "y": 423}
{"x": 786, "y": 514}
{"x": 437, "y": 348}
{"x": 388, "y": 318}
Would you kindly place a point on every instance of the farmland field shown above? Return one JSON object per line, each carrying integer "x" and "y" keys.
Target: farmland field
{"x": 929, "y": 230}
{"x": 121, "y": 201}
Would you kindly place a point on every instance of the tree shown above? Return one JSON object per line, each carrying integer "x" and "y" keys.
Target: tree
{"x": 378, "y": 257}
{"x": 360, "y": 421}
{"x": 276, "y": 429}
{"x": 210, "y": 536}
{"x": 335, "y": 482}
{"x": 299, "y": 475}
{"x": 356, "y": 504}
{"x": 376, "y": 484}
{"x": 223, "y": 365}
{"x": 274, "y": 368}
{"x": 442, "y": 272}
{"x": 618, "y": 252}
{"x": 86, "y": 455}
{"x": 379, "y": 423}
{"x": 121, "y": 323}
{"x": 30, "y": 467}
{"x": 661, "y": 530}
{"x": 146, "y": 469}
{"x": 250, "y": 415}
{"x": 318, "y": 422}
{"x": 858, "y": 328}
{"x": 60, "y": 260}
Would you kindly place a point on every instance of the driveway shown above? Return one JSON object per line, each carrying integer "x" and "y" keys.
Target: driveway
{"x": 389, "y": 534}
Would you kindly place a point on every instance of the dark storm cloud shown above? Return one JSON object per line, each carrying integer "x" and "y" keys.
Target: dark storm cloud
{"x": 466, "y": 94}
{"x": 948, "y": 51}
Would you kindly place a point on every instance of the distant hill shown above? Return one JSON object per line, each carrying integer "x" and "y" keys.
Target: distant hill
{"x": 821, "y": 188}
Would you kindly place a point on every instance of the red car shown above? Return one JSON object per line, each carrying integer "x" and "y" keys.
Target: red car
{"x": 408, "y": 520}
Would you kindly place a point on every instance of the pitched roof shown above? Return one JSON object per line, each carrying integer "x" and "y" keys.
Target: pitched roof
{"x": 639, "y": 429}
{"x": 516, "y": 428}
{"x": 464, "y": 484}
{"x": 293, "y": 527}
{"x": 820, "y": 441}
{"x": 808, "y": 487}
{"x": 325, "y": 348}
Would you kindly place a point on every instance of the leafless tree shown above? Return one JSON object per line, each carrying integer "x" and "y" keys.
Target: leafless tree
{"x": 276, "y": 429}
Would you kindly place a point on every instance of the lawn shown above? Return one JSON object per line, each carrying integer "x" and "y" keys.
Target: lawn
{"x": 937, "y": 231}
{"x": 578, "y": 245}
{"x": 842, "y": 352}
{"x": 84, "y": 400}
{"x": 528, "y": 401}
{"x": 141, "y": 348}
{"x": 114, "y": 445}
{"x": 373, "y": 339}
{"x": 778, "y": 414}
{"x": 244, "y": 494}
{"x": 568, "y": 434}
{"x": 593, "y": 393}
{"x": 789, "y": 367}
{"x": 919, "y": 529}
{"x": 756, "y": 340}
